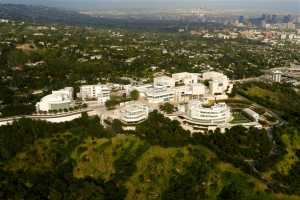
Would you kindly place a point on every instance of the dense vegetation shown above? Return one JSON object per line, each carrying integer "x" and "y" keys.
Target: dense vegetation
{"x": 158, "y": 130}
{"x": 280, "y": 97}
{"x": 244, "y": 148}
{"x": 82, "y": 160}
{"x": 55, "y": 181}
{"x": 167, "y": 108}
{"x": 24, "y": 133}
{"x": 36, "y": 59}
{"x": 56, "y": 184}
{"x": 285, "y": 174}
{"x": 284, "y": 100}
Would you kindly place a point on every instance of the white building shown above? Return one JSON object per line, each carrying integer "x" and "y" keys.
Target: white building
{"x": 276, "y": 76}
{"x": 217, "y": 87}
{"x": 133, "y": 112}
{"x": 198, "y": 89}
{"x": 99, "y": 92}
{"x": 291, "y": 26}
{"x": 103, "y": 97}
{"x": 218, "y": 82}
{"x": 185, "y": 78}
{"x": 182, "y": 93}
{"x": 165, "y": 81}
{"x": 211, "y": 75}
{"x": 69, "y": 91}
{"x": 187, "y": 92}
{"x": 160, "y": 95}
{"x": 187, "y": 86}
{"x": 141, "y": 88}
{"x": 217, "y": 115}
{"x": 60, "y": 99}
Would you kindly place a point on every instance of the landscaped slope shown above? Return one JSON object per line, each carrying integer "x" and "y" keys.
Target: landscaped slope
{"x": 145, "y": 171}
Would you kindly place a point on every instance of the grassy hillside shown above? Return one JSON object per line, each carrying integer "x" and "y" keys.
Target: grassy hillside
{"x": 292, "y": 143}
{"x": 81, "y": 160}
{"x": 281, "y": 98}
{"x": 147, "y": 172}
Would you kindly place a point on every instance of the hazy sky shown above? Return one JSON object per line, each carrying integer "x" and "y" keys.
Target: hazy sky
{"x": 267, "y": 5}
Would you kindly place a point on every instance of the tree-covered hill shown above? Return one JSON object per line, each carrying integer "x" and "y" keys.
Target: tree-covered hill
{"x": 82, "y": 160}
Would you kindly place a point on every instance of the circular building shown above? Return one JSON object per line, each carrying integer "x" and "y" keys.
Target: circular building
{"x": 133, "y": 112}
{"x": 213, "y": 115}
{"x": 56, "y": 101}
{"x": 199, "y": 116}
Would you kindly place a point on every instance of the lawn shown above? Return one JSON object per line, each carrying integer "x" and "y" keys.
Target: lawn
{"x": 239, "y": 117}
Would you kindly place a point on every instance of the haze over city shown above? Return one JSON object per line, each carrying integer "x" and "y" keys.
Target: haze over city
{"x": 292, "y": 6}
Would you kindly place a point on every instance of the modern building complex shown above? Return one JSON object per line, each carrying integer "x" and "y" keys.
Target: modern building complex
{"x": 58, "y": 100}
{"x": 194, "y": 95}
{"x": 133, "y": 112}
{"x": 99, "y": 92}
{"x": 182, "y": 87}
{"x": 178, "y": 88}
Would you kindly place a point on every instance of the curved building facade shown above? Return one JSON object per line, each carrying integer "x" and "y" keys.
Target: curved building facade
{"x": 133, "y": 112}
{"x": 216, "y": 115}
{"x": 61, "y": 99}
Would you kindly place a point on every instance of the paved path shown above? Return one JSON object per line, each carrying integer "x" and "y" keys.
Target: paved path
{"x": 245, "y": 80}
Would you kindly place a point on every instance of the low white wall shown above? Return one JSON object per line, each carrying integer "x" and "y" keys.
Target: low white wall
{"x": 49, "y": 119}
{"x": 5, "y": 123}
{"x": 63, "y": 119}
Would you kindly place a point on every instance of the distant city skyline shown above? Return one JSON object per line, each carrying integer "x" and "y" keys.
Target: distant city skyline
{"x": 292, "y": 6}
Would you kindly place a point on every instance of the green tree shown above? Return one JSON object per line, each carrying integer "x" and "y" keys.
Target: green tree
{"x": 134, "y": 95}
{"x": 116, "y": 126}
{"x": 110, "y": 104}
{"x": 232, "y": 191}
{"x": 167, "y": 108}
